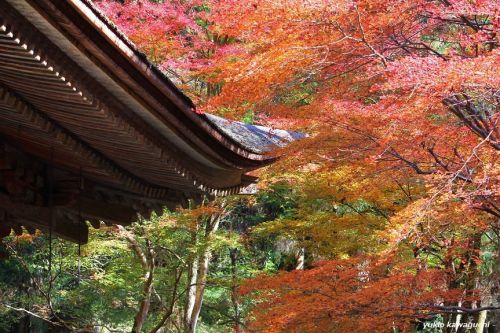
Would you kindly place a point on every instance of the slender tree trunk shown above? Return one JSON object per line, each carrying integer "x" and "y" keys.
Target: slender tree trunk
{"x": 191, "y": 287}
{"x": 148, "y": 263}
{"x": 481, "y": 321}
{"x": 191, "y": 291}
{"x": 301, "y": 258}
{"x": 144, "y": 304}
{"x": 201, "y": 280}
{"x": 233, "y": 253}
{"x": 487, "y": 298}
{"x": 200, "y": 290}
{"x": 458, "y": 318}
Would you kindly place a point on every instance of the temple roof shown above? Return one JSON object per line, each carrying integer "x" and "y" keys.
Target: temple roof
{"x": 78, "y": 97}
{"x": 255, "y": 138}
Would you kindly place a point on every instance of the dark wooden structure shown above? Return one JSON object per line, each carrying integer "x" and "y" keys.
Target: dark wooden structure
{"x": 90, "y": 130}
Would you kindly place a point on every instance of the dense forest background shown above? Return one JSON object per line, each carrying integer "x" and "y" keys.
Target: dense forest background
{"x": 384, "y": 219}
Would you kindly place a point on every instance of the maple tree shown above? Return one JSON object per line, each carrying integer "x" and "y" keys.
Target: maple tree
{"x": 400, "y": 100}
{"x": 175, "y": 36}
{"x": 389, "y": 208}
{"x": 360, "y": 294}
{"x": 396, "y": 95}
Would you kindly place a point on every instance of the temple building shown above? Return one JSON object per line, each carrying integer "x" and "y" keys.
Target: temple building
{"x": 90, "y": 130}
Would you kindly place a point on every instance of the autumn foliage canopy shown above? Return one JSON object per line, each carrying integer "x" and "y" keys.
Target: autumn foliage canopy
{"x": 398, "y": 175}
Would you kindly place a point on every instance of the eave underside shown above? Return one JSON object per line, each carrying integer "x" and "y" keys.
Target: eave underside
{"x": 50, "y": 84}
{"x": 71, "y": 151}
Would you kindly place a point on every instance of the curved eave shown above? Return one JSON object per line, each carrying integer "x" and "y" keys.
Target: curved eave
{"x": 80, "y": 20}
{"x": 47, "y": 79}
{"x": 106, "y": 93}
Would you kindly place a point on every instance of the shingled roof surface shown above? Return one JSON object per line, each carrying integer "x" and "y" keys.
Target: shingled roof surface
{"x": 258, "y": 139}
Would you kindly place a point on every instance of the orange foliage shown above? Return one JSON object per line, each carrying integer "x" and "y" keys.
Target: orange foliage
{"x": 401, "y": 100}
{"x": 366, "y": 294}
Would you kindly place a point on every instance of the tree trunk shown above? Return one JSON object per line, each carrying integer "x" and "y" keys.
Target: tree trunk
{"x": 203, "y": 265}
{"x": 148, "y": 263}
{"x": 191, "y": 287}
{"x": 144, "y": 304}
{"x": 300, "y": 258}
{"x": 191, "y": 291}
{"x": 458, "y": 318}
{"x": 233, "y": 253}
{"x": 481, "y": 321}
{"x": 199, "y": 290}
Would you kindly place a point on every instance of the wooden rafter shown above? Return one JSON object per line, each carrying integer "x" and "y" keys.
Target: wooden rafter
{"x": 120, "y": 140}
